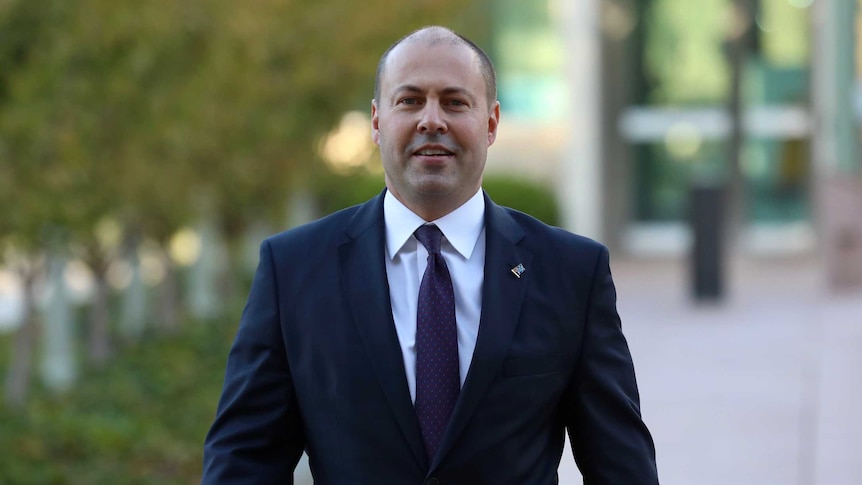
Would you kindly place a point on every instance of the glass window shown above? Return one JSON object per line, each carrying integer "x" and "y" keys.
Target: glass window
{"x": 686, "y": 67}
{"x": 530, "y": 57}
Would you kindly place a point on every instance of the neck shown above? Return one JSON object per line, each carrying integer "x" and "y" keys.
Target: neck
{"x": 430, "y": 208}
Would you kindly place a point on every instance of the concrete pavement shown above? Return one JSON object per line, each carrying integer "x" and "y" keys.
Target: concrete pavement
{"x": 765, "y": 388}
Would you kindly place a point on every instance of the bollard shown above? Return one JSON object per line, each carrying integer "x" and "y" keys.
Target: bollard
{"x": 707, "y": 251}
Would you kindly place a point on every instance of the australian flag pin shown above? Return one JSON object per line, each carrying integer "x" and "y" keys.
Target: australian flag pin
{"x": 518, "y": 270}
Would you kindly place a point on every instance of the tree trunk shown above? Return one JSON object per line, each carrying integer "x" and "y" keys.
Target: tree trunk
{"x": 99, "y": 339}
{"x": 169, "y": 296}
{"x": 58, "y": 363}
{"x": 205, "y": 298}
{"x": 229, "y": 287}
{"x": 133, "y": 311}
{"x": 134, "y": 308}
{"x": 21, "y": 367}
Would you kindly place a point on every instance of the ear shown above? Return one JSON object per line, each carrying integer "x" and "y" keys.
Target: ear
{"x": 375, "y": 127}
{"x": 493, "y": 122}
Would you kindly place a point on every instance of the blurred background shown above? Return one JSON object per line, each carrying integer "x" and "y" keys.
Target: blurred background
{"x": 147, "y": 147}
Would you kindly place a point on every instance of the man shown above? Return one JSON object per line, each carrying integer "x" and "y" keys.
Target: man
{"x": 428, "y": 335}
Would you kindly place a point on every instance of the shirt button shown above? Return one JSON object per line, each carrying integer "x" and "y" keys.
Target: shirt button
{"x": 432, "y": 481}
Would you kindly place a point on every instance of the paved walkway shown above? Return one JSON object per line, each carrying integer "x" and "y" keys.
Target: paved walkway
{"x": 763, "y": 389}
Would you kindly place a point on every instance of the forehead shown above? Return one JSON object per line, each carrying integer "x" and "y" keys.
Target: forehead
{"x": 442, "y": 65}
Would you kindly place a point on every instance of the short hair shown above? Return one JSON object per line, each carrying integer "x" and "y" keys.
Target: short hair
{"x": 433, "y": 35}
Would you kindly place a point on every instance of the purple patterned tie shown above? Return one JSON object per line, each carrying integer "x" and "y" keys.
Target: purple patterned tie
{"x": 437, "y": 379}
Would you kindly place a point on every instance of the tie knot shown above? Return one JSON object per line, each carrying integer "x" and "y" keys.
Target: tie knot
{"x": 429, "y": 235}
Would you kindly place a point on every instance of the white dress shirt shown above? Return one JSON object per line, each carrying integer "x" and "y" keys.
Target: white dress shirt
{"x": 463, "y": 249}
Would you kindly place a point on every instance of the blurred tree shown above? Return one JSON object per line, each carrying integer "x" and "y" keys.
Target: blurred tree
{"x": 22, "y": 220}
{"x": 24, "y": 343}
{"x": 147, "y": 112}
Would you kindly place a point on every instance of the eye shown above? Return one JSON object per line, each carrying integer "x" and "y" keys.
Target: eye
{"x": 457, "y": 103}
{"x": 410, "y": 101}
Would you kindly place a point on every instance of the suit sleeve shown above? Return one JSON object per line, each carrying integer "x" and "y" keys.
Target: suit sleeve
{"x": 610, "y": 442}
{"x": 257, "y": 433}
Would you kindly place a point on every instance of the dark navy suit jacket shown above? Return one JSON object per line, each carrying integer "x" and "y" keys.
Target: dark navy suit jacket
{"x": 316, "y": 366}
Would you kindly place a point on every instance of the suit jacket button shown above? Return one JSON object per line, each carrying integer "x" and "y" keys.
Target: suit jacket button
{"x": 432, "y": 481}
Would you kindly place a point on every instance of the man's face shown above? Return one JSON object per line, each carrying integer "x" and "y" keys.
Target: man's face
{"x": 433, "y": 125}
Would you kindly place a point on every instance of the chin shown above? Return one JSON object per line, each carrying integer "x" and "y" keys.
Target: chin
{"x": 434, "y": 190}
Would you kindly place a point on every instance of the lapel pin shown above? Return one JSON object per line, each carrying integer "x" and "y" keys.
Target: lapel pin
{"x": 518, "y": 270}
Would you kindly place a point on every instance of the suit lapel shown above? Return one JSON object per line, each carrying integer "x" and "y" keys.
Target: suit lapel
{"x": 502, "y": 298}
{"x": 363, "y": 276}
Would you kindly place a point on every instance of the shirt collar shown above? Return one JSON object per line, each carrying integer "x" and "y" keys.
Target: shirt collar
{"x": 462, "y": 227}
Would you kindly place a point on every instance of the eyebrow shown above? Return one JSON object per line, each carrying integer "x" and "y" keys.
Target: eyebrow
{"x": 445, "y": 91}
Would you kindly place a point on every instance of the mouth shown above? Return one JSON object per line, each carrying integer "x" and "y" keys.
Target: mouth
{"x": 433, "y": 153}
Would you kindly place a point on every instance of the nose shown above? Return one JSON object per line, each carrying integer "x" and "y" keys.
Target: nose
{"x": 432, "y": 119}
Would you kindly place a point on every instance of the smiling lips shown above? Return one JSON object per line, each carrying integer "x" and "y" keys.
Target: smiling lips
{"x": 432, "y": 153}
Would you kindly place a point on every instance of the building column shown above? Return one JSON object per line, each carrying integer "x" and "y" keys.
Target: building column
{"x": 836, "y": 169}
{"x": 579, "y": 187}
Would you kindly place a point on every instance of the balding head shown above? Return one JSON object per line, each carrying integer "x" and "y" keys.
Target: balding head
{"x": 436, "y": 35}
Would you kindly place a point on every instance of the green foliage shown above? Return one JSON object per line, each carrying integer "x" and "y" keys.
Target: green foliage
{"x": 334, "y": 192}
{"x": 140, "y": 421}
{"x": 140, "y": 111}
{"x": 526, "y": 196}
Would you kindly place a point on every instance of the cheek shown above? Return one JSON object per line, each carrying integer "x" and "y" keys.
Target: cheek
{"x": 473, "y": 132}
{"x": 389, "y": 134}
{"x": 474, "y": 141}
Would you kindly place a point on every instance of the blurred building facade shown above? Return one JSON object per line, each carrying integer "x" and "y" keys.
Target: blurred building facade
{"x": 623, "y": 105}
